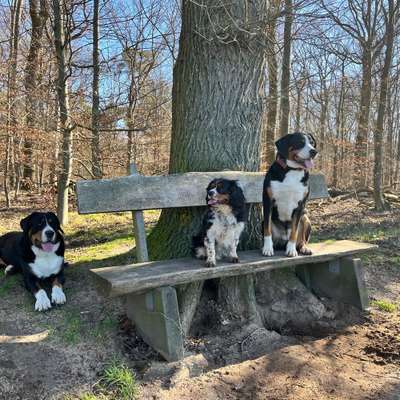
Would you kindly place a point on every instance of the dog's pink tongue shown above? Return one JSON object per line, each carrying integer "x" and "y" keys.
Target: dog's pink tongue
{"x": 47, "y": 247}
{"x": 308, "y": 163}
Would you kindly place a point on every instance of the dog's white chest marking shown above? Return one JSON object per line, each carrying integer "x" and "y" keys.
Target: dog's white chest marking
{"x": 46, "y": 264}
{"x": 225, "y": 228}
{"x": 288, "y": 194}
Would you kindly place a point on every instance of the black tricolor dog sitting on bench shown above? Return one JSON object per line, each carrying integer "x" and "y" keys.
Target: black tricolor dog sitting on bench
{"x": 150, "y": 287}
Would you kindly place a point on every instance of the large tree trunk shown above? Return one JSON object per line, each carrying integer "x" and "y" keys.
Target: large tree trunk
{"x": 378, "y": 165}
{"x": 217, "y": 107}
{"x": 38, "y": 19}
{"x": 63, "y": 104}
{"x": 285, "y": 79}
{"x": 96, "y": 159}
{"x": 216, "y": 124}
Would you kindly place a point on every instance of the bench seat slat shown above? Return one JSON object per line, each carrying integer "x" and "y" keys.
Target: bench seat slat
{"x": 122, "y": 280}
{"x": 171, "y": 191}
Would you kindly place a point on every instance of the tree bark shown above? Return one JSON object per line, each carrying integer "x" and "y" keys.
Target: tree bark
{"x": 63, "y": 104}
{"x": 378, "y": 136}
{"x": 12, "y": 120}
{"x": 96, "y": 155}
{"x": 217, "y": 108}
{"x": 339, "y": 119}
{"x": 217, "y": 111}
{"x": 272, "y": 100}
{"x": 39, "y": 15}
{"x": 322, "y": 123}
{"x": 285, "y": 79}
{"x": 361, "y": 148}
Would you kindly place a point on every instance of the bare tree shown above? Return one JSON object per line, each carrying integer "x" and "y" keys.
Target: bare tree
{"x": 391, "y": 22}
{"x": 285, "y": 78}
{"x": 272, "y": 99}
{"x": 38, "y": 13}
{"x": 16, "y": 8}
{"x": 66, "y": 128}
{"x": 96, "y": 155}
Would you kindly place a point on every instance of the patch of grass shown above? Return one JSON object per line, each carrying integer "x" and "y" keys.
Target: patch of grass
{"x": 100, "y": 251}
{"x": 7, "y": 283}
{"x": 396, "y": 261}
{"x": 103, "y": 328}
{"x": 87, "y": 396}
{"x": 121, "y": 381}
{"x": 383, "y": 305}
{"x": 70, "y": 331}
{"x": 91, "y": 396}
{"x": 373, "y": 233}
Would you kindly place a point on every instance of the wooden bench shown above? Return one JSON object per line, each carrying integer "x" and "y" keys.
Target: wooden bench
{"x": 160, "y": 315}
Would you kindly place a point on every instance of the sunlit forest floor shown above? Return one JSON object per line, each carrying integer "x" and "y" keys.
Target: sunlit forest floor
{"x": 63, "y": 353}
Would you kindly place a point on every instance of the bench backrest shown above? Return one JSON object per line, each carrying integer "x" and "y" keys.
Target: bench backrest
{"x": 136, "y": 192}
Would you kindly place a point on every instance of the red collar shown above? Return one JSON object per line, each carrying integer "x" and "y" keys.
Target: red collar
{"x": 281, "y": 162}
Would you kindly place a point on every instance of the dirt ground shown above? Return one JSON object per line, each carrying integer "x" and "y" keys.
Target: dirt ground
{"x": 60, "y": 354}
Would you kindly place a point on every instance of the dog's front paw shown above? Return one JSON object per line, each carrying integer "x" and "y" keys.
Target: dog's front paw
{"x": 235, "y": 260}
{"x": 305, "y": 251}
{"x": 210, "y": 264}
{"x": 268, "y": 248}
{"x": 291, "y": 249}
{"x": 42, "y": 301}
{"x": 57, "y": 295}
{"x": 9, "y": 269}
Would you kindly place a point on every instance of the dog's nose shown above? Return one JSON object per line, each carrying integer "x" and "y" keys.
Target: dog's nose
{"x": 49, "y": 234}
{"x": 313, "y": 153}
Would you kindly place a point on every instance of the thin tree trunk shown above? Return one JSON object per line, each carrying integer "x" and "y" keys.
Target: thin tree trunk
{"x": 38, "y": 20}
{"x": 299, "y": 90}
{"x": 339, "y": 116}
{"x": 6, "y": 169}
{"x": 272, "y": 100}
{"x": 12, "y": 120}
{"x": 389, "y": 41}
{"x": 285, "y": 79}
{"x": 96, "y": 155}
{"x": 63, "y": 103}
{"x": 361, "y": 148}
{"x": 322, "y": 123}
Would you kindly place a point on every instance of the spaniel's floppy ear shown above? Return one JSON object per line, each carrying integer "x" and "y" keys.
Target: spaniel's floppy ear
{"x": 53, "y": 217}
{"x": 236, "y": 194}
{"x": 283, "y": 145}
{"x": 26, "y": 223}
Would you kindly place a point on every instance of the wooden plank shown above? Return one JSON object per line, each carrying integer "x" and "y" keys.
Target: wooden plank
{"x": 121, "y": 280}
{"x": 139, "y": 230}
{"x": 170, "y": 191}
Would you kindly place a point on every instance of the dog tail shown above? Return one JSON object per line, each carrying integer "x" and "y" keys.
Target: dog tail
{"x": 198, "y": 249}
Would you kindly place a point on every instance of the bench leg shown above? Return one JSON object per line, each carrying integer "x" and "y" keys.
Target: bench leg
{"x": 340, "y": 279}
{"x": 156, "y": 317}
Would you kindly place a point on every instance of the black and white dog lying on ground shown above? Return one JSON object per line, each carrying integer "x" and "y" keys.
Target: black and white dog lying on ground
{"x": 222, "y": 224}
{"x": 286, "y": 189}
{"x": 37, "y": 252}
